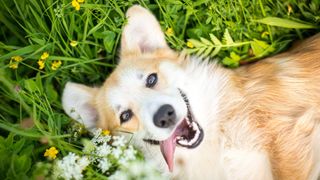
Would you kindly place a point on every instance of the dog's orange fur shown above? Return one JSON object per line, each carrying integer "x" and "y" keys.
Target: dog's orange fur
{"x": 282, "y": 96}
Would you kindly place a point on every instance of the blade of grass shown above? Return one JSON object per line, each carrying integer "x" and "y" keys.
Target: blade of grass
{"x": 285, "y": 23}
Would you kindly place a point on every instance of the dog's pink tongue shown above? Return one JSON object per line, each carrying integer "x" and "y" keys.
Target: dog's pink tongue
{"x": 167, "y": 148}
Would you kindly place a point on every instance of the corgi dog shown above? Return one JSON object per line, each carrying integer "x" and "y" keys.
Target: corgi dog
{"x": 198, "y": 120}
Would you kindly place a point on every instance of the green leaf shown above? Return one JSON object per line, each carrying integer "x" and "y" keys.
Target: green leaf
{"x": 95, "y": 29}
{"x": 39, "y": 41}
{"x": 207, "y": 51}
{"x": 196, "y": 43}
{"x": 51, "y": 92}
{"x": 259, "y": 47}
{"x": 285, "y": 23}
{"x": 27, "y": 150}
{"x": 38, "y": 19}
{"x": 215, "y": 40}
{"x": 216, "y": 51}
{"x": 234, "y": 56}
{"x": 227, "y": 39}
{"x": 230, "y": 62}
{"x": 30, "y": 85}
{"x": 88, "y": 146}
{"x": 41, "y": 169}
{"x": 9, "y": 140}
{"x": 21, "y": 51}
{"x": 205, "y": 41}
{"x": 109, "y": 40}
{"x": 2, "y": 143}
{"x": 22, "y": 163}
{"x": 200, "y": 51}
{"x": 39, "y": 82}
{"x": 257, "y": 50}
{"x": 5, "y": 160}
{"x": 18, "y": 145}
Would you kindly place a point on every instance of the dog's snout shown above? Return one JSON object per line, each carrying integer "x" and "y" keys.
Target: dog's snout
{"x": 165, "y": 116}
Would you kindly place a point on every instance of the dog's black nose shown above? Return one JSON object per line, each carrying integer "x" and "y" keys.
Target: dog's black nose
{"x": 165, "y": 116}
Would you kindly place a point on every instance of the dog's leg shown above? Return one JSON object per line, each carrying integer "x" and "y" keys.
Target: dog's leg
{"x": 246, "y": 165}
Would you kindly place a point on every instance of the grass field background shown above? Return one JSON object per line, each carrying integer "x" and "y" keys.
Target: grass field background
{"x": 46, "y": 43}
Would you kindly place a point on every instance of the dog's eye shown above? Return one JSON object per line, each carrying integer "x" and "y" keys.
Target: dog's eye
{"x": 151, "y": 80}
{"x": 125, "y": 116}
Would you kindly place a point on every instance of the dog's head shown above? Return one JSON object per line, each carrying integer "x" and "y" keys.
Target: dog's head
{"x": 143, "y": 95}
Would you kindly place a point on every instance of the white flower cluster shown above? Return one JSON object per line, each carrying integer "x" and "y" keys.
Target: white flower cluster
{"x": 71, "y": 167}
{"x": 105, "y": 153}
{"x": 137, "y": 170}
{"x": 110, "y": 151}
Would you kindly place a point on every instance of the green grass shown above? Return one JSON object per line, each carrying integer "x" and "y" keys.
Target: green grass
{"x": 234, "y": 32}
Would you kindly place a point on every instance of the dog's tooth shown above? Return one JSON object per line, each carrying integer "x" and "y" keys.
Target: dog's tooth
{"x": 196, "y": 137}
{"x": 194, "y": 126}
{"x": 183, "y": 142}
{"x": 191, "y": 142}
{"x": 180, "y": 138}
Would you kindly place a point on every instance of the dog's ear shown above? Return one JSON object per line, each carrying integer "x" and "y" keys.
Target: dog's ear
{"x": 78, "y": 103}
{"x": 142, "y": 33}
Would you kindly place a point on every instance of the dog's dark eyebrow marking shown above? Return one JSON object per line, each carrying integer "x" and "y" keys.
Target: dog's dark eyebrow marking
{"x": 151, "y": 141}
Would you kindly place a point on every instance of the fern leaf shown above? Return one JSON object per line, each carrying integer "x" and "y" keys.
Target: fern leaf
{"x": 227, "y": 39}
{"x": 215, "y": 40}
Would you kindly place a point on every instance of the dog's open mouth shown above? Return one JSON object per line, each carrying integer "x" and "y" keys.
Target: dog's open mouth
{"x": 187, "y": 134}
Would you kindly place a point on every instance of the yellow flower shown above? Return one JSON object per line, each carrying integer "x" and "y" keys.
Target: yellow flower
{"x": 14, "y": 62}
{"x": 13, "y": 65}
{"x": 80, "y": 1}
{"x": 169, "y": 32}
{"x": 73, "y": 43}
{"x": 105, "y": 132}
{"x": 75, "y": 4}
{"x": 16, "y": 58}
{"x": 44, "y": 56}
{"x": 190, "y": 45}
{"x": 41, "y": 64}
{"x": 55, "y": 65}
{"x": 51, "y": 153}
